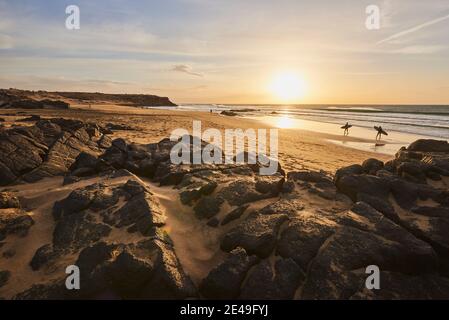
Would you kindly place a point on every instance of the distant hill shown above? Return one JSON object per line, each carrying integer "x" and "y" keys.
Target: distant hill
{"x": 16, "y": 98}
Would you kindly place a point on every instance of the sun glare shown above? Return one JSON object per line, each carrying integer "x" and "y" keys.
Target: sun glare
{"x": 288, "y": 86}
{"x": 284, "y": 122}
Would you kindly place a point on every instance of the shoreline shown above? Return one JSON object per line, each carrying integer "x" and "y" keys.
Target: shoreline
{"x": 298, "y": 149}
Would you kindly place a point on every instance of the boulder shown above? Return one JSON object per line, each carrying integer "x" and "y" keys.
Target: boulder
{"x": 429, "y": 145}
{"x": 225, "y": 280}
{"x": 257, "y": 234}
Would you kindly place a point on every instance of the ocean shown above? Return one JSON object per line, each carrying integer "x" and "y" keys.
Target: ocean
{"x": 430, "y": 121}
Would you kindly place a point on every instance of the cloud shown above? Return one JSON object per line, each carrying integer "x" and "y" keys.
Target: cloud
{"x": 186, "y": 69}
{"x": 420, "y": 49}
{"x": 414, "y": 29}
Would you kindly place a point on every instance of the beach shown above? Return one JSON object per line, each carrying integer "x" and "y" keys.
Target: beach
{"x": 298, "y": 148}
{"x": 93, "y": 186}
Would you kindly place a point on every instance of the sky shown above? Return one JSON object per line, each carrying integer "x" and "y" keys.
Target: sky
{"x": 229, "y": 51}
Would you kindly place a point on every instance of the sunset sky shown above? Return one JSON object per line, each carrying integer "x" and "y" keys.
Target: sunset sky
{"x": 231, "y": 51}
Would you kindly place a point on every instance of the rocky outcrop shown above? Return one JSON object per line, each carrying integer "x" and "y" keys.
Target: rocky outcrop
{"x": 15, "y": 98}
{"x": 13, "y": 220}
{"x": 414, "y": 194}
{"x": 49, "y": 148}
{"x": 143, "y": 268}
{"x": 300, "y": 235}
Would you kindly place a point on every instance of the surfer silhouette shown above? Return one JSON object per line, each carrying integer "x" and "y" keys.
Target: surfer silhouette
{"x": 380, "y": 132}
{"x": 346, "y": 127}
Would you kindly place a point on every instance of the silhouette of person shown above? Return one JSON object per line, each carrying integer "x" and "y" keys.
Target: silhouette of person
{"x": 346, "y": 127}
{"x": 379, "y": 133}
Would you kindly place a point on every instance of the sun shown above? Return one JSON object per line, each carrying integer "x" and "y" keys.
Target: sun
{"x": 288, "y": 86}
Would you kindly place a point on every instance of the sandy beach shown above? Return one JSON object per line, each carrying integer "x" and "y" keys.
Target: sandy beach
{"x": 298, "y": 149}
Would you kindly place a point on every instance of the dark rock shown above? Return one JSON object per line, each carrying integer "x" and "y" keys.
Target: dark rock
{"x": 14, "y": 221}
{"x": 141, "y": 213}
{"x": 241, "y": 192}
{"x": 8, "y": 200}
{"x": 4, "y": 277}
{"x": 257, "y": 234}
{"x": 78, "y": 230}
{"x": 207, "y": 207}
{"x": 195, "y": 191}
{"x": 351, "y": 185}
{"x": 279, "y": 284}
{"x": 42, "y": 256}
{"x": 146, "y": 270}
{"x": 271, "y": 185}
{"x": 228, "y": 113}
{"x": 224, "y": 281}
{"x": 234, "y": 214}
{"x": 428, "y": 145}
{"x": 406, "y": 287}
{"x": 85, "y": 160}
{"x": 350, "y": 170}
{"x": 70, "y": 179}
{"x": 45, "y": 149}
{"x": 309, "y": 176}
{"x": 371, "y": 166}
{"x": 214, "y": 222}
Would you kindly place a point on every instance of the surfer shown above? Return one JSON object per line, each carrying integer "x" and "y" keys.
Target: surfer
{"x": 346, "y": 127}
{"x": 380, "y": 132}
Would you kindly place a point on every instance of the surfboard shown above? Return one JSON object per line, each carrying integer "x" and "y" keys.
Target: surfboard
{"x": 346, "y": 126}
{"x": 381, "y": 130}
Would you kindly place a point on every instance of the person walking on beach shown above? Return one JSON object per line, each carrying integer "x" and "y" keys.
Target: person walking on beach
{"x": 346, "y": 127}
{"x": 380, "y": 132}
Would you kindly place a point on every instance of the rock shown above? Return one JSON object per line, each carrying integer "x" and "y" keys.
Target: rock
{"x": 53, "y": 290}
{"x": 257, "y": 234}
{"x": 45, "y": 149}
{"x": 379, "y": 204}
{"x": 42, "y": 256}
{"x": 213, "y": 222}
{"x": 270, "y": 185}
{"x": 228, "y": 113}
{"x": 309, "y": 176}
{"x": 85, "y": 160}
{"x": 8, "y": 200}
{"x": 350, "y": 170}
{"x": 146, "y": 270}
{"x": 234, "y": 214}
{"x": 377, "y": 241}
{"x": 371, "y": 166}
{"x": 14, "y": 221}
{"x": 224, "y": 281}
{"x": 70, "y": 179}
{"x": 78, "y": 230}
{"x": 428, "y": 145}
{"x": 4, "y": 277}
{"x": 140, "y": 213}
{"x": 196, "y": 190}
{"x": 207, "y": 207}
{"x": 240, "y": 192}
{"x": 288, "y": 207}
{"x": 265, "y": 283}
{"x": 351, "y": 185}
{"x": 406, "y": 287}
